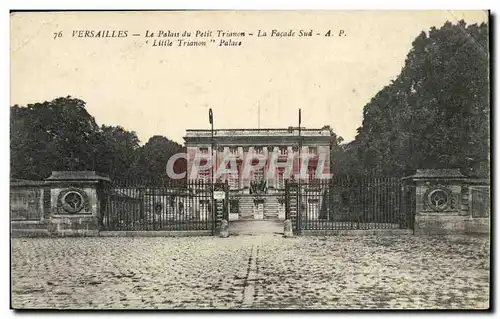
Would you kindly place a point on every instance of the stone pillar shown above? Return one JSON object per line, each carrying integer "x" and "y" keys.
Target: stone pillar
{"x": 76, "y": 202}
{"x": 287, "y": 229}
{"x": 245, "y": 181}
{"x": 269, "y": 180}
{"x": 438, "y": 200}
{"x": 224, "y": 229}
{"x": 275, "y": 152}
{"x": 220, "y": 205}
{"x": 240, "y": 172}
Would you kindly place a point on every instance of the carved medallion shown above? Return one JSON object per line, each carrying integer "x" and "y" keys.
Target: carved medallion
{"x": 72, "y": 200}
{"x": 439, "y": 198}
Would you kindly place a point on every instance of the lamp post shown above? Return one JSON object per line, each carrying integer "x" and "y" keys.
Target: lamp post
{"x": 211, "y": 120}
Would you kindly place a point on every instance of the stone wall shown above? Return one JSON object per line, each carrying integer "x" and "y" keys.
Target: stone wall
{"x": 65, "y": 204}
{"x": 29, "y": 204}
{"x": 446, "y": 203}
{"x": 26, "y": 201}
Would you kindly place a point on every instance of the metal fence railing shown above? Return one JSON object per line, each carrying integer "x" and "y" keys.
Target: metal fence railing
{"x": 353, "y": 203}
{"x": 169, "y": 206}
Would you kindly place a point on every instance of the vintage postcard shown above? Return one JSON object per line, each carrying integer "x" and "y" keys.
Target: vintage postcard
{"x": 250, "y": 160}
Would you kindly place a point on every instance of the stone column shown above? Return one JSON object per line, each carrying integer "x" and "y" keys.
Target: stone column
{"x": 276, "y": 151}
{"x": 245, "y": 181}
{"x": 239, "y": 161}
{"x": 270, "y": 181}
{"x": 77, "y": 199}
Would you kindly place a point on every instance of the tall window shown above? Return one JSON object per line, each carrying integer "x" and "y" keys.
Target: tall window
{"x": 233, "y": 150}
{"x": 283, "y": 151}
{"x": 258, "y": 175}
{"x": 233, "y": 181}
{"x": 204, "y": 175}
{"x": 204, "y": 150}
{"x": 311, "y": 174}
{"x": 281, "y": 179}
{"x": 258, "y": 149}
{"x": 313, "y": 150}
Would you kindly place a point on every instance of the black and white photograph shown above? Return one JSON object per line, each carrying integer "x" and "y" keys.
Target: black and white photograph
{"x": 250, "y": 160}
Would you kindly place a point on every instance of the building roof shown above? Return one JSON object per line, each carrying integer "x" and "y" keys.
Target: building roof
{"x": 25, "y": 182}
{"x": 290, "y": 131}
{"x": 263, "y": 135}
{"x": 439, "y": 172}
{"x": 76, "y": 175}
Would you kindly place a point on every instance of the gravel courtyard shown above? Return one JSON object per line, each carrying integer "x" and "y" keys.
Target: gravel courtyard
{"x": 259, "y": 272}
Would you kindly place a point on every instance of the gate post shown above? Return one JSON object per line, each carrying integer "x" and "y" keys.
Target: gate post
{"x": 292, "y": 205}
{"x": 439, "y": 204}
{"x": 220, "y": 199}
{"x": 77, "y": 203}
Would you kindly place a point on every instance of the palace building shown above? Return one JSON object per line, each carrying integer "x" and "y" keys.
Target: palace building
{"x": 256, "y": 163}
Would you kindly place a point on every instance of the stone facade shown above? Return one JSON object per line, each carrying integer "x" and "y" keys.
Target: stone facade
{"x": 260, "y": 193}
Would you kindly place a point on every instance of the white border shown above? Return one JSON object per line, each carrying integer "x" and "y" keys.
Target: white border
{"x": 254, "y": 5}
{"x": 195, "y": 4}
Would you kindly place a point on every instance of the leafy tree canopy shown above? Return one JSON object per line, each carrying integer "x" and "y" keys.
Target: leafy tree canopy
{"x": 62, "y": 135}
{"x": 435, "y": 114}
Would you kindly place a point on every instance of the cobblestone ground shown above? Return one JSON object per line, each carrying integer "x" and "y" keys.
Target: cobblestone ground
{"x": 264, "y": 271}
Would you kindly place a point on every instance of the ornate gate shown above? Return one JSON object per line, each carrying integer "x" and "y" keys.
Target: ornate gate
{"x": 169, "y": 206}
{"x": 350, "y": 203}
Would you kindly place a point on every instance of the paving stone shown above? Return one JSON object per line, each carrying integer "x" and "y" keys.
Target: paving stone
{"x": 367, "y": 272}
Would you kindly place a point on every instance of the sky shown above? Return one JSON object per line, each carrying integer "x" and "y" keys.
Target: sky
{"x": 166, "y": 90}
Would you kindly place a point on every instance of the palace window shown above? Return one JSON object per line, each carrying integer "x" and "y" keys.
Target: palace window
{"x": 233, "y": 181}
{"x": 281, "y": 179}
{"x": 204, "y": 150}
{"x": 311, "y": 174}
{"x": 233, "y": 150}
{"x": 258, "y": 175}
{"x": 313, "y": 150}
{"x": 283, "y": 151}
{"x": 258, "y": 150}
{"x": 204, "y": 175}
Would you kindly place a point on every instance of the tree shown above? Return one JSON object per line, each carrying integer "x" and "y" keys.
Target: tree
{"x": 152, "y": 158}
{"x": 62, "y": 135}
{"x": 55, "y": 135}
{"x": 435, "y": 114}
{"x": 116, "y": 152}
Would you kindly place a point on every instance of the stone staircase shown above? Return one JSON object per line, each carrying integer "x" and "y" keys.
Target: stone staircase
{"x": 271, "y": 208}
{"x": 246, "y": 207}
{"x": 255, "y": 227}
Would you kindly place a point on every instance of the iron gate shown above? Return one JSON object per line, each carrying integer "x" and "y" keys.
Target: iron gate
{"x": 351, "y": 203}
{"x": 170, "y": 206}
